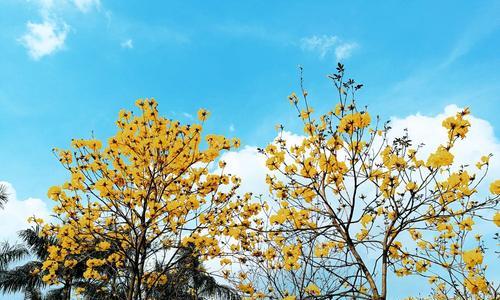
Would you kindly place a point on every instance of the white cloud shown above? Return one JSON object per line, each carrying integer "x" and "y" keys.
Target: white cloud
{"x": 327, "y": 44}
{"x": 46, "y": 5}
{"x": 231, "y": 128}
{"x": 344, "y": 51}
{"x": 49, "y": 35}
{"x": 250, "y": 165}
{"x": 87, "y": 5}
{"x": 480, "y": 140}
{"x": 16, "y": 212}
{"x": 322, "y": 44}
{"x": 127, "y": 44}
{"x": 45, "y": 38}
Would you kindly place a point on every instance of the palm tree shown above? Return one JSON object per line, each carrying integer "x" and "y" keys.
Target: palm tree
{"x": 188, "y": 280}
{"x": 18, "y": 279}
{"x": 23, "y": 278}
{"x": 3, "y": 195}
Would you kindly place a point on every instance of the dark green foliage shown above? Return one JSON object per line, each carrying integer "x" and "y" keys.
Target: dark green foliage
{"x": 187, "y": 279}
{"x": 190, "y": 281}
{"x": 3, "y": 195}
{"x": 22, "y": 279}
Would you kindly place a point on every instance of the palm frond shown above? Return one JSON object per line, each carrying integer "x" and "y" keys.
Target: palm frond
{"x": 4, "y": 196}
{"x": 209, "y": 287}
{"x": 33, "y": 294}
{"x": 189, "y": 275}
{"x": 37, "y": 245}
{"x": 55, "y": 294}
{"x": 21, "y": 279}
{"x": 99, "y": 291}
{"x": 11, "y": 253}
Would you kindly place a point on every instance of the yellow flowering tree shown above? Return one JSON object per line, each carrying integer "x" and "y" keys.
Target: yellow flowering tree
{"x": 139, "y": 200}
{"x": 351, "y": 206}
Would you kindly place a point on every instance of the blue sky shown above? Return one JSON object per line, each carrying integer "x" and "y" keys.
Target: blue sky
{"x": 68, "y": 66}
{"x": 237, "y": 59}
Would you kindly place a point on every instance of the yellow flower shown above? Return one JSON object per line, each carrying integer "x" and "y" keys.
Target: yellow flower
{"x": 457, "y": 126}
{"x": 351, "y": 122}
{"x": 362, "y": 234}
{"x": 476, "y": 284}
{"x": 103, "y": 246}
{"x": 70, "y": 263}
{"x": 444, "y": 226}
{"x": 415, "y": 235}
{"x": 432, "y": 279}
{"x": 203, "y": 114}
{"x": 225, "y": 261}
{"x": 291, "y": 256}
{"x": 391, "y": 215}
{"x": 312, "y": 289}
{"x": 495, "y": 187}
{"x": 411, "y": 186}
{"x": 496, "y": 218}
{"x": 466, "y": 224}
{"x": 367, "y": 218}
{"x": 35, "y": 271}
{"x": 246, "y": 288}
{"x": 454, "y": 249}
{"x": 308, "y": 195}
{"x": 323, "y": 249}
{"x": 293, "y": 98}
{"x": 54, "y": 192}
{"x": 65, "y": 157}
{"x": 422, "y": 266}
{"x": 472, "y": 257}
{"x": 280, "y": 217}
{"x": 440, "y": 158}
{"x": 304, "y": 114}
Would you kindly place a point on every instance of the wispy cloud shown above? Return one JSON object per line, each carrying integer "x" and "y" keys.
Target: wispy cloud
{"x": 321, "y": 44}
{"x": 129, "y": 44}
{"x": 484, "y": 23}
{"x": 326, "y": 45}
{"x": 231, "y": 128}
{"x": 425, "y": 82}
{"x": 44, "y": 38}
{"x": 48, "y": 36}
{"x": 87, "y": 5}
{"x": 343, "y": 51}
{"x": 187, "y": 115}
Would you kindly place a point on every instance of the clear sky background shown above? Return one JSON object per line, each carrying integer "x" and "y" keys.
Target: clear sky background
{"x": 68, "y": 66}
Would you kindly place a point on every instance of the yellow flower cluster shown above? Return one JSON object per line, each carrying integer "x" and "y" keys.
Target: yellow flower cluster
{"x": 457, "y": 126}
{"x": 441, "y": 158}
{"x": 291, "y": 255}
{"x": 354, "y": 121}
{"x": 472, "y": 258}
{"x": 495, "y": 187}
{"x": 455, "y": 187}
{"x": 138, "y": 192}
{"x": 476, "y": 284}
